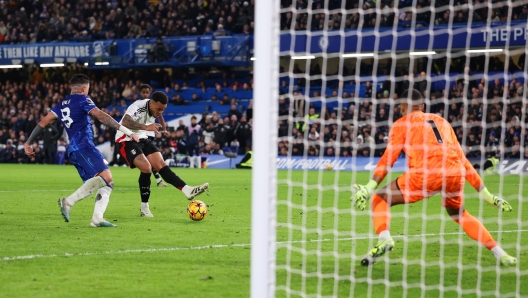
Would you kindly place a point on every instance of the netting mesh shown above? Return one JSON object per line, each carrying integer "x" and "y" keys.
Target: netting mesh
{"x": 344, "y": 64}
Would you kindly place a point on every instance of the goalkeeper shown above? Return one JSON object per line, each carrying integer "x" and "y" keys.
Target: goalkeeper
{"x": 436, "y": 164}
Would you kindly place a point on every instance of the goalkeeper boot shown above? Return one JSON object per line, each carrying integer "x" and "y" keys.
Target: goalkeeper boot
{"x": 65, "y": 209}
{"x": 196, "y": 191}
{"x": 507, "y": 260}
{"x": 101, "y": 224}
{"x": 383, "y": 246}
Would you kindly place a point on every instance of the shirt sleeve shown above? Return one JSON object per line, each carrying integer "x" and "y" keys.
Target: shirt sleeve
{"x": 471, "y": 174}
{"x": 87, "y": 105}
{"x": 57, "y": 110}
{"x": 394, "y": 148}
{"x": 132, "y": 111}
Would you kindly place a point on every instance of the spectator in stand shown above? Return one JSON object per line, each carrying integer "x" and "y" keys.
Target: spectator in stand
{"x": 178, "y": 100}
{"x": 220, "y": 133}
{"x": 234, "y": 112}
{"x": 158, "y": 52}
{"x": 50, "y": 136}
{"x": 220, "y": 31}
{"x": 217, "y": 150}
{"x": 167, "y": 153}
{"x": 524, "y": 14}
{"x": 515, "y": 153}
{"x": 8, "y": 154}
{"x": 194, "y": 133}
{"x": 38, "y": 75}
{"x": 243, "y": 133}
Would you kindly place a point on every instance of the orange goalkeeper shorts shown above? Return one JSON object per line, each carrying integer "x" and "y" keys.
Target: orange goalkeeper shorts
{"x": 416, "y": 187}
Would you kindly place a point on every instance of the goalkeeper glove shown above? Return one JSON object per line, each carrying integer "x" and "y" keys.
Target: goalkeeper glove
{"x": 493, "y": 200}
{"x": 362, "y": 194}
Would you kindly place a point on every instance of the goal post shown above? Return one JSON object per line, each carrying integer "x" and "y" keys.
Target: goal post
{"x": 264, "y": 174}
{"x": 325, "y": 95}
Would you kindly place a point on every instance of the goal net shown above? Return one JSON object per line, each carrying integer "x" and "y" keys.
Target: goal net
{"x": 328, "y": 107}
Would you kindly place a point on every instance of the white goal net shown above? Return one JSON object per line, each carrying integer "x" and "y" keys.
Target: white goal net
{"x": 332, "y": 73}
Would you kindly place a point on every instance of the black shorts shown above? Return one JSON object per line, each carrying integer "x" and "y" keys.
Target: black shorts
{"x": 130, "y": 150}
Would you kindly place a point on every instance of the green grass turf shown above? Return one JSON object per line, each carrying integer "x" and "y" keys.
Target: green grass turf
{"x": 171, "y": 256}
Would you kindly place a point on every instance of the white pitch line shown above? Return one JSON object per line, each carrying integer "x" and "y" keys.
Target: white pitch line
{"x": 148, "y": 250}
{"x": 56, "y": 190}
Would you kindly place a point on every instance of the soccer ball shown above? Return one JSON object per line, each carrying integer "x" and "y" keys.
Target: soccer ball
{"x": 328, "y": 167}
{"x": 197, "y": 210}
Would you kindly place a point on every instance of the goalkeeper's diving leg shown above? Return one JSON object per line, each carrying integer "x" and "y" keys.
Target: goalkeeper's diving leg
{"x": 391, "y": 195}
{"x": 385, "y": 197}
{"x": 478, "y": 232}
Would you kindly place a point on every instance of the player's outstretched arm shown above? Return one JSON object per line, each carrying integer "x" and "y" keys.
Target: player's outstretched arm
{"x": 49, "y": 119}
{"x": 362, "y": 193}
{"x": 493, "y": 200}
{"x": 129, "y": 122}
{"x": 110, "y": 122}
{"x": 474, "y": 179}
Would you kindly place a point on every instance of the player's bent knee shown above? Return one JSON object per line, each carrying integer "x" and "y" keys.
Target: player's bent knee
{"x": 455, "y": 214}
{"x": 145, "y": 168}
{"x": 106, "y": 175}
{"x": 160, "y": 165}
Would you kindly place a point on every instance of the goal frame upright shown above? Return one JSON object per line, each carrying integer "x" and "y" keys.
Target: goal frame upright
{"x": 264, "y": 173}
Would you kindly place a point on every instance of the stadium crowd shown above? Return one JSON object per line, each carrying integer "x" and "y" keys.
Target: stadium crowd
{"x": 358, "y": 129}
{"x": 26, "y": 21}
{"x": 366, "y": 14}
{"x": 361, "y": 129}
{"x": 27, "y": 95}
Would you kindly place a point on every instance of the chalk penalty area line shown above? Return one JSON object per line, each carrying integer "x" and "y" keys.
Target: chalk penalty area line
{"x": 216, "y": 246}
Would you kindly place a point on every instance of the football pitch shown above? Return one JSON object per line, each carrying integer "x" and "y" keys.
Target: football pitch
{"x": 171, "y": 256}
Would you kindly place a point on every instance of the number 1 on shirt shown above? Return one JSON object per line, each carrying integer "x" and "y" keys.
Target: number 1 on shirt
{"x": 436, "y": 131}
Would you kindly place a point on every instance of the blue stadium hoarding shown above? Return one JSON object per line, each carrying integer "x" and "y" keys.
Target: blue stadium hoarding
{"x": 237, "y": 49}
{"x": 360, "y": 164}
{"x": 357, "y": 164}
{"x": 49, "y": 52}
{"x": 496, "y": 35}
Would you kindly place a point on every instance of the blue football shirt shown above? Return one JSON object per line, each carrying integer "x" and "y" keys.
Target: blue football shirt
{"x": 73, "y": 113}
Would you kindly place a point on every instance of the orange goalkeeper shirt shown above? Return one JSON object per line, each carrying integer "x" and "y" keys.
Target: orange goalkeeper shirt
{"x": 431, "y": 148}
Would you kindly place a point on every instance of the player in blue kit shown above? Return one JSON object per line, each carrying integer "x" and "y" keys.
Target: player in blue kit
{"x": 74, "y": 112}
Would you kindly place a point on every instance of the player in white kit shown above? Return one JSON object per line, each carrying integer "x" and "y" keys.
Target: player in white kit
{"x": 144, "y": 92}
{"x": 140, "y": 117}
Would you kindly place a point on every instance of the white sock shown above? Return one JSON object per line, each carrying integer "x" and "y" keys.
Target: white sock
{"x": 384, "y": 235}
{"x": 85, "y": 190}
{"x": 144, "y": 206}
{"x": 158, "y": 180}
{"x": 186, "y": 189}
{"x": 101, "y": 202}
{"x": 198, "y": 162}
{"x": 498, "y": 252}
{"x": 191, "y": 161}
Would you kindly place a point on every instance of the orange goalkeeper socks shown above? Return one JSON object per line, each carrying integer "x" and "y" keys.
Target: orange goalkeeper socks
{"x": 476, "y": 230}
{"x": 380, "y": 214}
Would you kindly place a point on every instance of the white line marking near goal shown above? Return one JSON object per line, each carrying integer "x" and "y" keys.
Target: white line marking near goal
{"x": 162, "y": 249}
{"x": 56, "y": 190}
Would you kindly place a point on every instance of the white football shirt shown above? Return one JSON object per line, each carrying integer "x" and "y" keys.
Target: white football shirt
{"x": 140, "y": 112}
